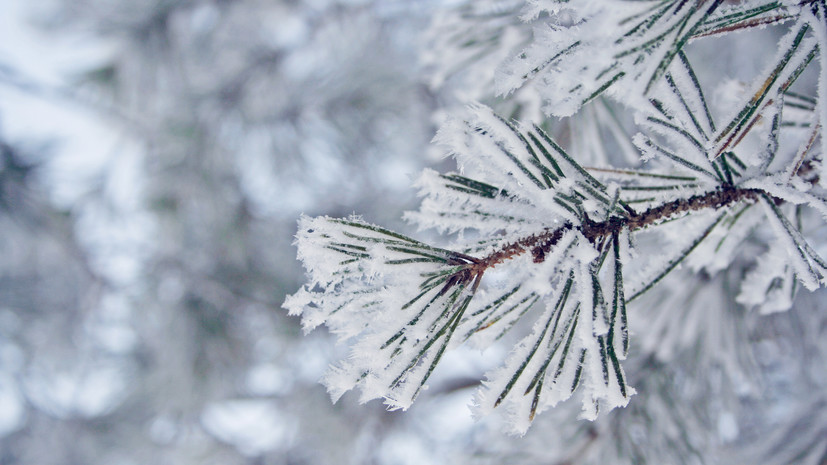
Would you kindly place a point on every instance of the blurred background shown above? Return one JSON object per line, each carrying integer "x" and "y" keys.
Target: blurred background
{"x": 154, "y": 158}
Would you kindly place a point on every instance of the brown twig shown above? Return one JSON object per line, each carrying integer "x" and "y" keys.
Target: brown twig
{"x": 540, "y": 244}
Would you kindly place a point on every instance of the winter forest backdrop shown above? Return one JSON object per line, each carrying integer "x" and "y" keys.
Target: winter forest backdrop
{"x": 156, "y": 155}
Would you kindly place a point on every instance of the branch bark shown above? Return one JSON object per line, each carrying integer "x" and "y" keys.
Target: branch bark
{"x": 540, "y": 244}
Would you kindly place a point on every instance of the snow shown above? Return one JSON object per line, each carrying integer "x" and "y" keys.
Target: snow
{"x": 253, "y": 426}
{"x": 36, "y": 55}
{"x": 77, "y": 391}
{"x": 12, "y": 410}
{"x": 761, "y": 288}
{"x": 727, "y": 427}
{"x": 809, "y": 271}
{"x": 267, "y": 379}
{"x": 820, "y": 33}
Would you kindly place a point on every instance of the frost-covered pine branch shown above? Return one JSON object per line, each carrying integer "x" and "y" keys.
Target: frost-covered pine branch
{"x": 538, "y": 236}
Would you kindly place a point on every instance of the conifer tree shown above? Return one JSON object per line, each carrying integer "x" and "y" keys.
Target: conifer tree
{"x": 602, "y": 249}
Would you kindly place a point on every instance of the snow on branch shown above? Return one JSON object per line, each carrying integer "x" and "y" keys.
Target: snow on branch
{"x": 406, "y": 302}
{"x": 559, "y": 236}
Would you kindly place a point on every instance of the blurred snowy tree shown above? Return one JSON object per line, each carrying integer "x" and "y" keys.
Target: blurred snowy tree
{"x": 144, "y": 266}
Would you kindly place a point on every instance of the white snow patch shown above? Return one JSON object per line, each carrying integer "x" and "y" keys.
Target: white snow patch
{"x": 252, "y": 426}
